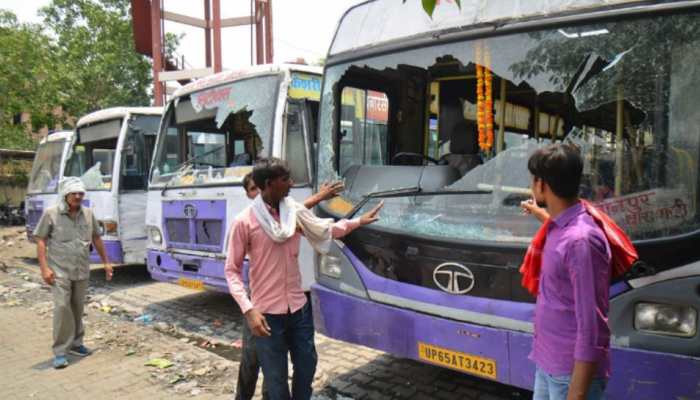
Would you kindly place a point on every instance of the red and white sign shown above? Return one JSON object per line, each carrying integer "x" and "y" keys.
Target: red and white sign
{"x": 377, "y": 107}
{"x": 211, "y": 98}
{"x": 651, "y": 210}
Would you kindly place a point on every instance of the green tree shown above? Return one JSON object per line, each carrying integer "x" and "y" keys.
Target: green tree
{"x": 28, "y": 82}
{"x": 99, "y": 66}
{"x": 429, "y": 5}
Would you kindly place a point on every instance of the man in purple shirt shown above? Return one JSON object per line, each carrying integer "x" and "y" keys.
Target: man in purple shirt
{"x": 572, "y": 339}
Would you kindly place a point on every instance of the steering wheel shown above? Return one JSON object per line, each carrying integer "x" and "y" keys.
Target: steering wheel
{"x": 409, "y": 155}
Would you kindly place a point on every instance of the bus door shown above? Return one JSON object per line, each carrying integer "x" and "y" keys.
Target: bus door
{"x": 298, "y": 147}
{"x": 137, "y": 148}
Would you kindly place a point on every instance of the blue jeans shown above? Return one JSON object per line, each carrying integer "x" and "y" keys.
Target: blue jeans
{"x": 292, "y": 333}
{"x": 549, "y": 387}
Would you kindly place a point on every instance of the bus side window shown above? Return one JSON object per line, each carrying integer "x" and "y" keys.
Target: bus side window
{"x": 363, "y": 128}
{"x": 295, "y": 147}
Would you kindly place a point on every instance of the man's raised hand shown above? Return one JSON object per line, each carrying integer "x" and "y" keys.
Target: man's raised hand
{"x": 372, "y": 215}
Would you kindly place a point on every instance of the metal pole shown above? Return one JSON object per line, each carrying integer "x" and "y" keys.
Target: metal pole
{"x": 259, "y": 50}
{"x": 252, "y": 21}
{"x": 500, "y": 141}
{"x": 268, "y": 32}
{"x": 619, "y": 145}
{"x": 157, "y": 52}
{"x": 207, "y": 33}
{"x": 216, "y": 8}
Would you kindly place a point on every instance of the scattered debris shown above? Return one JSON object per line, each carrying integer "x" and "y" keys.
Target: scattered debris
{"x": 110, "y": 327}
{"x": 31, "y": 285}
{"x": 160, "y": 363}
{"x": 145, "y": 319}
{"x": 185, "y": 387}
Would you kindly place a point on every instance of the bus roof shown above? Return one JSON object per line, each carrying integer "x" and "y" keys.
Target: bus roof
{"x": 242, "y": 73}
{"x": 378, "y": 22}
{"x": 57, "y": 136}
{"x": 116, "y": 112}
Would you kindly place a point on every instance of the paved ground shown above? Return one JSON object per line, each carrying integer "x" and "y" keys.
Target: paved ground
{"x": 134, "y": 319}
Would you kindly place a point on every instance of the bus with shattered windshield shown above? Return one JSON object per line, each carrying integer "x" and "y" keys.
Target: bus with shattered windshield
{"x": 469, "y": 94}
{"x": 47, "y": 168}
{"x": 212, "y": 132}
{"x": 111, "y": 153}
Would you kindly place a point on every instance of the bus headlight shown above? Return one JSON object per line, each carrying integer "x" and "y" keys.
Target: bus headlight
{"x": 666, "y": 319}
{"x": 155, "y": 235}
{"x": 330, "y": 266}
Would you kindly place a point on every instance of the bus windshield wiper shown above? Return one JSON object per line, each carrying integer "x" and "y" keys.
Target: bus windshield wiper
{"x": 182, "y": 166}
{"x": 409, "y": 191}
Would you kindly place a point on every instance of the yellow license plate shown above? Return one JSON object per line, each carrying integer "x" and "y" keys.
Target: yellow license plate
{"x": 191, "y": 283}
{"x": 459, "y": 361}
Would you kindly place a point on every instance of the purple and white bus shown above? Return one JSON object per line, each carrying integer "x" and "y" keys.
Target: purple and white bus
{"x": 470, "y": 93}
{"x": 47, "y": 169}
{"x": 212, "y": 132}
{"x": 111, "y": 153}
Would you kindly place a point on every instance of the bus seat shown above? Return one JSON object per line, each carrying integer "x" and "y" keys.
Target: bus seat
{"x": 241, "y": 159}
{"x": 464, "y": 147}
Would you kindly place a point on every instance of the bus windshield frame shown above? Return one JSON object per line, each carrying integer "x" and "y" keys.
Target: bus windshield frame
{"x": 46, "y": 169}
{"x": 93, "y": 144}
{"x": 211, "y": 136}
{"x": 590, "y": 84}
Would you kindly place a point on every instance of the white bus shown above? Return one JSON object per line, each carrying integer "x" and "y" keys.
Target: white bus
{"x": 212, "y": 132}
{"x": 49, "y": 160}
{"x": 111, "y": 153}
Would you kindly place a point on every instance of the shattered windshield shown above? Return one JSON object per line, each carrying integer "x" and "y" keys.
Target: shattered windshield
{"x": 214, "y": 135}
{"x": 467, "y": 116}
{"x": 93, "y": 154}
{"x": 46, "y": 169}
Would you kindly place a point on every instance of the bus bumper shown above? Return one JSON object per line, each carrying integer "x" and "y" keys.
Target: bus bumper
{"x": 636, "y": 374}
{"x": 113, "y": 248}
{"x": 187, "y": 270}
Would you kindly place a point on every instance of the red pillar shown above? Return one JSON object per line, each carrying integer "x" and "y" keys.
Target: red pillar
{"x": 259, "y": 38}
{"x": 216, "y": 8}
{"x": 207, "y": 33}
{"x": 268, "y": 32}
{"x": 156, "y": 39}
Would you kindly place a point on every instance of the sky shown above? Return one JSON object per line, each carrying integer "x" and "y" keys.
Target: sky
{"x": 302, "y": 28}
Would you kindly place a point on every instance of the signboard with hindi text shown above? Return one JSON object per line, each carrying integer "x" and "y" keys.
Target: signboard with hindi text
{"x": 305, "y": 86}
{"x": 651, "y": 210}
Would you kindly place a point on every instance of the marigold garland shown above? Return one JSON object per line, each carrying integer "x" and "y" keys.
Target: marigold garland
{"x": 484, "y": 98}
{"x": 488, "y": 88}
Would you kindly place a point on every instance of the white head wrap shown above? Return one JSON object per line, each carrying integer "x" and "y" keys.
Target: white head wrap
{"x": 68, "y": 185}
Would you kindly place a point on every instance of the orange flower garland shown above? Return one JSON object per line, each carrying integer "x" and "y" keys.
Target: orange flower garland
{"x": 484, "y": 99}
{"x": 488, "y": 88}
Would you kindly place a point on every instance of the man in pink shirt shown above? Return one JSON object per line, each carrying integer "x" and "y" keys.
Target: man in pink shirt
{"x": 277, "y": 311}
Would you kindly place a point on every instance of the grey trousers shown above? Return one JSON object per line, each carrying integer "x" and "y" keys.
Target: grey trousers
{"x": 68, "y": 305}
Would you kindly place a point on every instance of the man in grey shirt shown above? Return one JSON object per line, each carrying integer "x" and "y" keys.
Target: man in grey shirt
{"x": 64, "y": 233}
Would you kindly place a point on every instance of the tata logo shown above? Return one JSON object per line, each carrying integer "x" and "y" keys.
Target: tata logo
{"x": 453, "y": 278}
{"x": 190, "y": 211}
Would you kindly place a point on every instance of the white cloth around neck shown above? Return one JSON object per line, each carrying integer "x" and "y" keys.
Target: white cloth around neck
{"x": 318, "y": 231}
